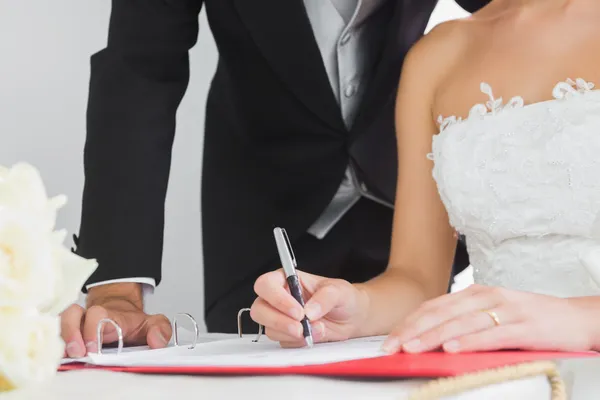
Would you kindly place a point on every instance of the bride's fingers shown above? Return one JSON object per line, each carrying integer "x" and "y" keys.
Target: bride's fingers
{"x": 429, "y": 318}
{"x": 292, "y": 345}
{"x": 284, "y": 337}
{"x": 450, "y": 297}
{"x": 445, "y": 301}
{"x": 461, "y": 326}
{"x": 318, "y": 332}
{"x": 498, "y": 338}
{"x": 272, "y": 294}
{"x": 272, "y": 319}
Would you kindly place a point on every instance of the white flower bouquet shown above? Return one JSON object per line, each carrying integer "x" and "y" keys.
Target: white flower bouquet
{"x": 39, "y": 278}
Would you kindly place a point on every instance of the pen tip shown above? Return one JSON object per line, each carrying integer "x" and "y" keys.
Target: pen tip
{"x": 309, "y": 341}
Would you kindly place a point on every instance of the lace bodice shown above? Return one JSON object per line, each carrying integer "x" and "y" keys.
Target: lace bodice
{"x": 522, "y": 183}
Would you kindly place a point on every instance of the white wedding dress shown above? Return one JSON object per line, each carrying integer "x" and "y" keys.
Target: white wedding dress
{"x": 522, "y": 183}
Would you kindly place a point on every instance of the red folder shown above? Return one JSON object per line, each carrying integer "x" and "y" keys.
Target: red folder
{"x": 400, "y": 365}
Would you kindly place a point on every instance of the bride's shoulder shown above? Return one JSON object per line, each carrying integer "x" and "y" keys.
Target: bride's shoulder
{"x": 435, "y": 57}
{"x": 441, "y": 48}
{"x": 445, "y": 39}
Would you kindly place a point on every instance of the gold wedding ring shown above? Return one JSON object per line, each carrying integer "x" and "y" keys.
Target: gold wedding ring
{"x": 493, "y": 316}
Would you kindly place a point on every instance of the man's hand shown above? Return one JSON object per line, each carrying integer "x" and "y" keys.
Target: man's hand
{"x": 121, "y": 302}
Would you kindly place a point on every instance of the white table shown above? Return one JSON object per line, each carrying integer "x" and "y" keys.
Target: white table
{"x": 582, "y": 377}
{"x": 102, "y": 385}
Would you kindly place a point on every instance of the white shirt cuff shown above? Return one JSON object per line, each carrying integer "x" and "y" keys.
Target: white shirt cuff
{"x": 148, "y": 284}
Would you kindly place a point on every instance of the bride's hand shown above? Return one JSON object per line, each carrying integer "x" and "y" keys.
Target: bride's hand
{"x": 335, "y": 308}
{"x": 482, "y": 318}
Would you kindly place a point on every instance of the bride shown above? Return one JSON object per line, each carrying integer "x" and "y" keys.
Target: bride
{"x": 512, "y": 164}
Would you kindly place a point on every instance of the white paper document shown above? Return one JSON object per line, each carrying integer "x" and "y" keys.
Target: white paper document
{"x": 242, "y": 353}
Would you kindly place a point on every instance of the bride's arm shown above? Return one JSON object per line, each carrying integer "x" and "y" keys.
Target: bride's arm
{"x": 423, "y": 242}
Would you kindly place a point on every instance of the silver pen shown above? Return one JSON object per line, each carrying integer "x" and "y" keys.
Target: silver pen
{"x": 288, "y": 261}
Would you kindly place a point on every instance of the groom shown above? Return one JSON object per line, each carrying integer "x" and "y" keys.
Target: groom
{"x": 299, "y": 133}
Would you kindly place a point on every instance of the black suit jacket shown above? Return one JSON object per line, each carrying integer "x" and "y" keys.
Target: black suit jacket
{"x": 275, "y": 143}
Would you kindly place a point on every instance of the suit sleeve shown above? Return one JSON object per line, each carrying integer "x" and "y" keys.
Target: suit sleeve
{"x": 136, "y": 85}
{"x": 472, "y": 5}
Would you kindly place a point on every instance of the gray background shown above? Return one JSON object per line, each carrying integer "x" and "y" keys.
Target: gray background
{"x": 44, "y": 70}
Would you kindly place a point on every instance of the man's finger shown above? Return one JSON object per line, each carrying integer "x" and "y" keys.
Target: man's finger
{"x": 132, "y": 323}
{"x": 70, "y": 327}
{"x": 93, "y": 316}
{"x": 159, "y": 331}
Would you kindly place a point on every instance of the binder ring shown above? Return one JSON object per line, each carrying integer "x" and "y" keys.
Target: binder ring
{"x": 176, "y": 331}
{"x": 99, "y": 334}
{"x": 239, "y": 321}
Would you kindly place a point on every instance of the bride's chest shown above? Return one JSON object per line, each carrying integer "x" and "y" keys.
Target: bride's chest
{"x": 532, "y": 169}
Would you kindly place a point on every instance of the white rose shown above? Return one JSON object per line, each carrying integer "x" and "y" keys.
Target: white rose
{"x": 36, "y": 270}
{"x": 73, "y": 272}
{"x": 22, "y": 192}
{"x": 39, "y": 278}
{"x": 28, "y": 270}
{"x": 30, "y": 347}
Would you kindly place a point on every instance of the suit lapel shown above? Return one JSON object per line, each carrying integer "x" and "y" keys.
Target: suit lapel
{"x": 408, "y": 21}
{"x": 281, "y": 30}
